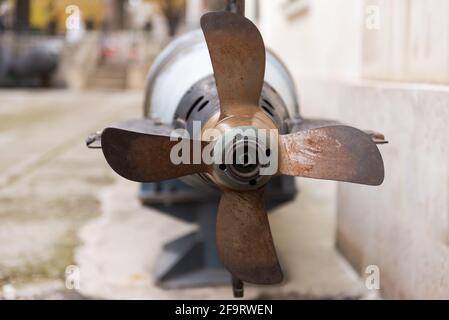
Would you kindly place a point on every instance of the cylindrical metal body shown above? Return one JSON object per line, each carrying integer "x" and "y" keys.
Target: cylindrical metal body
{"x": 186, "y": 62}
{"x": 181, "y": 90}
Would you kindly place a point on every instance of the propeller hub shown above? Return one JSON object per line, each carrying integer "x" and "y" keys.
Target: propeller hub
{"x": 242, "y": 156}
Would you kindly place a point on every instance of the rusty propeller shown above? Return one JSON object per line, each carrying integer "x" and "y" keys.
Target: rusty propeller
{"x": 327, "y": 151}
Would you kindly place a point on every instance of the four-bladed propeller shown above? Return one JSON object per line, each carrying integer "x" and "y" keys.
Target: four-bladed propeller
{"x": 330, "y": 151}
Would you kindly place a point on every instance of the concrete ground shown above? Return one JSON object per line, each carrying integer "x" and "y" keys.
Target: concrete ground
{"x": 61, "y": 205}
{"x": 48, "y": 179}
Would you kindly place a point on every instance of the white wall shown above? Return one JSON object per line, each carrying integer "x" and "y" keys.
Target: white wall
{"x": 332, "y": 38}
{"x": 412, "y": 43}
{"x": 319, "y": 39}
{"x": 323, "y": 40}
{"x": 403, "y": 225}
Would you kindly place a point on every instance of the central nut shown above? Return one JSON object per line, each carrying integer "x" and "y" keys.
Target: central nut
{"x": 240, "y": 151}
{"x": 244, "y": 156}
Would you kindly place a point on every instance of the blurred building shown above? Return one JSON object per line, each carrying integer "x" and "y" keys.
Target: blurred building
{"x": 93, "y": 43}
{"x": 51, "y": 15}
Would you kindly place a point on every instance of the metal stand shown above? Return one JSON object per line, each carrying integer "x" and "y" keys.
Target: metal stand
{"x": 192, "y": 260}
{"x": 237, "y": 287}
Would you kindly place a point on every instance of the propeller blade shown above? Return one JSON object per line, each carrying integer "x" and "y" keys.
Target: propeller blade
{"x": 237, "y": 52}
{"x": 244, "y": 240}
{"x": 149, "y": 126}
{"x": 338, "y": 153}
{"x": 307, "y": 124}
{"x": 144, "y": 156}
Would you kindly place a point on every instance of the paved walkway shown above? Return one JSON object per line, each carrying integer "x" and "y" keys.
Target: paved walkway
{"x": 48, "y": 179}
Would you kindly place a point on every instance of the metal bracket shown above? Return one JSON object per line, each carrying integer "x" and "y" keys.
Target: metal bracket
{"x": 377, "y": 137}
{"x": 94, "y": 140}
{"x": 238, "y": 287}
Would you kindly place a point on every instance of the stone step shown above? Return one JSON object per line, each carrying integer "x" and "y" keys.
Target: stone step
{"x": 107, "y": 83}
{"x": 109, "y": 77}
